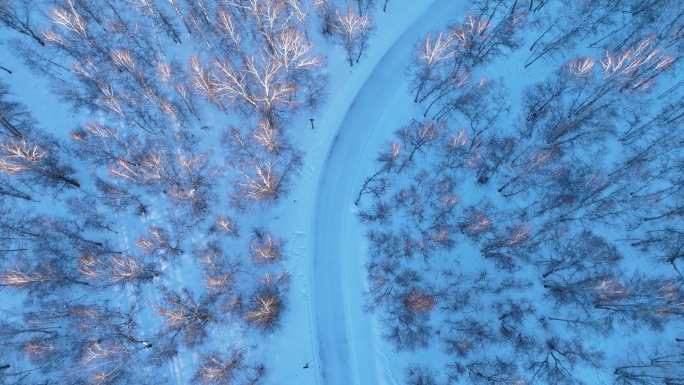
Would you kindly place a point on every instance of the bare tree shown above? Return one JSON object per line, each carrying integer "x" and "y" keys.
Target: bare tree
{"x": 558, "y": 358}
{"x": 353, "y": 30}
{"x": 264, "y": 165}
{"x": 158, "y": 243}
{"x": 186, "y": 317}
{"x": 421, "y": 376}
{"x": 18, "y": 15}
{"x": 445, "y": 63}
{"x": 267, "y": 303}
{"x": 658, "y": 368}
{"x": 265, "y": 247}
{"x": 228, "y": 369}
{"x": 25, "y": 152}
{"x": 116, "y": 269}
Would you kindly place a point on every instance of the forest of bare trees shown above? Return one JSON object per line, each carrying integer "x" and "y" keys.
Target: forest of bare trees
{"x": 96, "y": 226}
{"x": 524, "y": 229}
{"x": 553, "y": 220}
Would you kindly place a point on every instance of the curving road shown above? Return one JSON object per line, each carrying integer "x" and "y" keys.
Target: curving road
{"x": 346, "y": 335}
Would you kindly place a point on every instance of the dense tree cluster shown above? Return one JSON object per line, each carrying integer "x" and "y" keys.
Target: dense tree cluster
{"x": 537, "y": 239}
{"x": 97, "y": 226}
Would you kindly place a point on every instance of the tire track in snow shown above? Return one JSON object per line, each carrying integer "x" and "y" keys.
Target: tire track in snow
{"x": 346, "y": 335}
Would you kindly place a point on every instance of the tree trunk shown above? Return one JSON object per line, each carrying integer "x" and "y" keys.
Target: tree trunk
{"x": 10, "y": 127}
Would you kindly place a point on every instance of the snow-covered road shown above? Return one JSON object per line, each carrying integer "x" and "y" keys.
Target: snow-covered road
{"x": 347, "y": 337}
